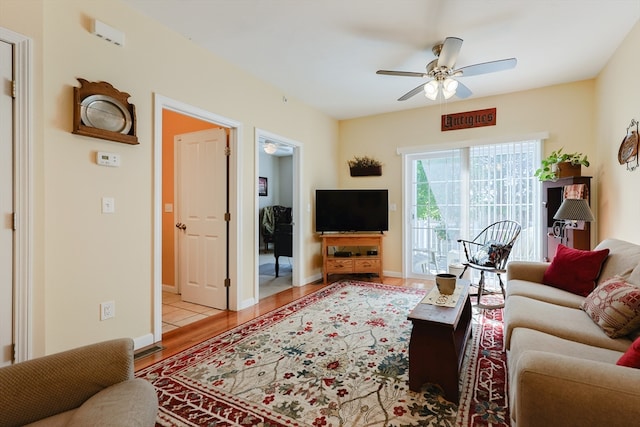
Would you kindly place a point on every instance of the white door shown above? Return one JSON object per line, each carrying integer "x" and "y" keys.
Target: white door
{"x": 201, "y": 192}
{"x": 6, "y": 205}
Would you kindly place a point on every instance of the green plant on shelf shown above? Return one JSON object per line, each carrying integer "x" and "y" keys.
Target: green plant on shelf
{"x": 549, "y": 165}
{"x": 363, "y": 162}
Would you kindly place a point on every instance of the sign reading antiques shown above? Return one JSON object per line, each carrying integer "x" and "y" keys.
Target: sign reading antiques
{"x": 469, "y": 119}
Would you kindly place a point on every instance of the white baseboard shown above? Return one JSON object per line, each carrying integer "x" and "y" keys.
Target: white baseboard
{"x": 312, "y": 279}
{"x": 247, "y": 303}
{"x": 392, "y": 273}
{"x": 169, "y": 288}
{"x": 143, "y": 341}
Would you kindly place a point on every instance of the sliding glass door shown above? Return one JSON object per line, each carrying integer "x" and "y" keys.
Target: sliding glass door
{"x": 437, "y": 198}
{"x": 457, "y": 193}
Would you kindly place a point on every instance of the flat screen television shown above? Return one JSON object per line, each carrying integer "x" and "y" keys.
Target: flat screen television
{"x": 352, "y": 210}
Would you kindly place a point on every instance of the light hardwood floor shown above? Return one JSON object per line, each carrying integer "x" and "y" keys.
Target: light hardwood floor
{"x": 194, "y": 333}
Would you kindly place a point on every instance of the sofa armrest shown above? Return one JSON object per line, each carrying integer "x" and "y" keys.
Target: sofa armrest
{"x": 131, "y": 403}
{"x": 49, "y": 385}
{"x": 531, "y": 271}
{"x": 554, "y": 389}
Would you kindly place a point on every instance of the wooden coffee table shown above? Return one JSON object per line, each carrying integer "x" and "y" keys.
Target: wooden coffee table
{"x": 437, "y": 344}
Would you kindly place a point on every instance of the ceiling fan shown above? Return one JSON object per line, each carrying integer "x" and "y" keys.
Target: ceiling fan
{"x": 444, "y": 76}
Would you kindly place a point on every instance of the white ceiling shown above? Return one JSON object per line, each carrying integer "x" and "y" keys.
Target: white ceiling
{"x": 325, "y": 52}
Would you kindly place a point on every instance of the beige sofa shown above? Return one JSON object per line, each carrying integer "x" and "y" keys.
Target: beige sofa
{"x": 87, "y": 386}
{"x": 562, "y": 365}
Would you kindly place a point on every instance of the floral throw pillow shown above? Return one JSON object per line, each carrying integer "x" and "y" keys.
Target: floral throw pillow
{"x": 490, "y": 254}
{"x": 615, "y": 307}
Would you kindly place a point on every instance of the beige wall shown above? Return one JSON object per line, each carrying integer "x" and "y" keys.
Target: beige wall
{"x": 83, "y": 257}
{"x": 618, "y": 96}
{"x": 566, "y": 112}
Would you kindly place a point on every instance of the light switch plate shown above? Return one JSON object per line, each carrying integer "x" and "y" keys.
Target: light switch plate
{"x": 108, "y": 205}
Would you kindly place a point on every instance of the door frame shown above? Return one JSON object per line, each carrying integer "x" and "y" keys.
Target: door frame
{"x": 23, "y": 148}
{"x": 235, "y": 196}
{"x": 297, "y": 217}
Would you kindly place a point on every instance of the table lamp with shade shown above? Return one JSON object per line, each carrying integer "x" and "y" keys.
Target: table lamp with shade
{"x": 570, "y": 212}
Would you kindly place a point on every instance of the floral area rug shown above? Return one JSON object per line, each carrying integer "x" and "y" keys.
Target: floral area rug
{"x": 337, "y": 357}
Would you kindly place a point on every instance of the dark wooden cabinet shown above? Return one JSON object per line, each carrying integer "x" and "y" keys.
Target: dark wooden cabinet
{"x": 551, "y": 201}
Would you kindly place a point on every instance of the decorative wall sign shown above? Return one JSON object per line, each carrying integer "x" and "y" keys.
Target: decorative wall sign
{"x": 469, "y": 119}
{"x": 628, "y": 151}
{"x": 101, "y": 111}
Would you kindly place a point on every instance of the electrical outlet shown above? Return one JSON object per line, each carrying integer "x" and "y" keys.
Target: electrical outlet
{"x": 107, "y": 310}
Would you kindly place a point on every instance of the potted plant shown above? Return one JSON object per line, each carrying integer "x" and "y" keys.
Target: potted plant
{"x": 560, "y": 165}
{"x": 365, "y": 166}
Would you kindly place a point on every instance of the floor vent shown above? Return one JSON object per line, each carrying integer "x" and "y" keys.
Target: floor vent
{"x": 148, "y": 351}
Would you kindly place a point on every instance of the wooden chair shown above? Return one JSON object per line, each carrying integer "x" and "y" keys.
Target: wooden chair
{"x": 270, "y": 217}
{"x": 282, "y": 243}
{"x": 488, "y": 252}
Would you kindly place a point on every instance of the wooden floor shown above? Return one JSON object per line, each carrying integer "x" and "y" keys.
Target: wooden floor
{"x": 187, "y": 336}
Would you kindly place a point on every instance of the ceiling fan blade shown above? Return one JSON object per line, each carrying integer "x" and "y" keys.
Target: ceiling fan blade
{"x": 449, "y": 53}
{"x": 411, "y": 93}
{"x": 486, "y": 67}
{"x": 463, "y": 91}
{"x": 401, "y": 73}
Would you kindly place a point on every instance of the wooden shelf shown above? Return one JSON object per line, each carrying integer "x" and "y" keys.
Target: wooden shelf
{"x": 552, "y": 192}
{"x": 356, "y": 263}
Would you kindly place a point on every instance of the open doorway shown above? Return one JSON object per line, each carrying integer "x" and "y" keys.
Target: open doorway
{"x": 193, "y": 219}
{"x": 275, "y": 204}
{"x": 191, "y": 120}
{"x": 278, "y": 213}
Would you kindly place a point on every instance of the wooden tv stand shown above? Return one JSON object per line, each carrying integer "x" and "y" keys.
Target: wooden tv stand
{"x": 361, "y": 263}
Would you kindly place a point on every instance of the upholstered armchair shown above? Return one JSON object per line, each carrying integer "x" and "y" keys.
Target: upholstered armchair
{"x": 92, "y": 385}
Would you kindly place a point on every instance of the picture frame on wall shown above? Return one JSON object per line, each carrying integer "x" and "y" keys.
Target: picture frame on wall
{"x": 262, "y": 186}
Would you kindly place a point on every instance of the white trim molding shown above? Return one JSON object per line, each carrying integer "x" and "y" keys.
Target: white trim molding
{"x": 24, "y": 183}
{"x": 417, "y": 149}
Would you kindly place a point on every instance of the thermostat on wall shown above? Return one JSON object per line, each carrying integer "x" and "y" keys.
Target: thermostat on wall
{"x": 107, "y": 159}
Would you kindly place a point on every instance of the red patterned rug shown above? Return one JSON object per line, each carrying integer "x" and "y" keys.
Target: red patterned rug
{"x": 338, "y": 357}
{"x": 483, "y": 385}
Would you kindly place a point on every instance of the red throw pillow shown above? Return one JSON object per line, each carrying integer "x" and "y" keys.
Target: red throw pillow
{"x": 631, "y": 357}
{"x": 575, "y": 270}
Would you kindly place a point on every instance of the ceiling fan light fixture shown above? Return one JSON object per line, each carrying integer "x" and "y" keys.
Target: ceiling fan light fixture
{"x": 270, "y": 148}
{"x": 431, "y": 90}
{"x": 449, "y": 85}
{"x": 447, "y": 94}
